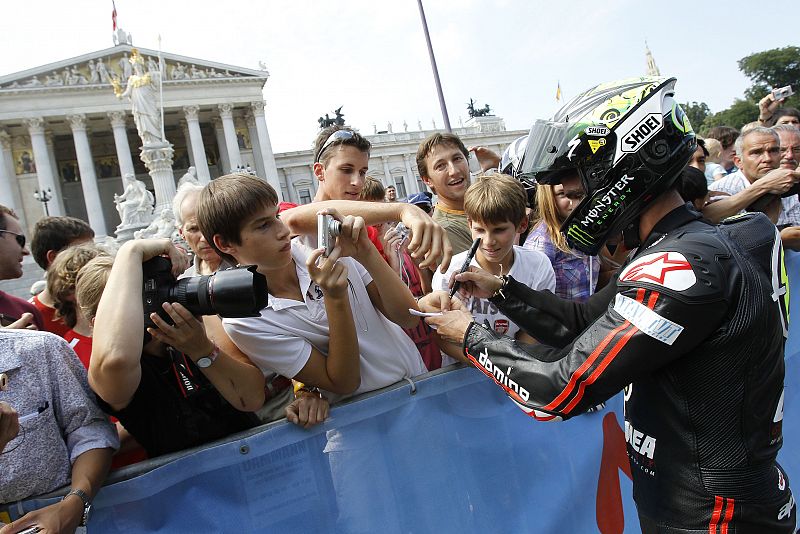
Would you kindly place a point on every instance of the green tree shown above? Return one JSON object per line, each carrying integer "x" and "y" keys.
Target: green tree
{"x": 697, "y": 113}
{"x": 739, "y": 114}
{"x": 773, "y": 68}
{"x": 770, "y": 70}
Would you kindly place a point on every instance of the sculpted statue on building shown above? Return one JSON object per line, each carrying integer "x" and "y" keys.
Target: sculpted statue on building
{"x": 162, "y": 226}
{"x": 135, "y": 204}
{"x": 190, "y": 176}
{"x": 142, "y": 90}
{"x": 102, "y": 71}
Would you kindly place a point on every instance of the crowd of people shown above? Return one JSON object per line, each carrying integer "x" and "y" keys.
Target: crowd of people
{"x": 578, "y": 262}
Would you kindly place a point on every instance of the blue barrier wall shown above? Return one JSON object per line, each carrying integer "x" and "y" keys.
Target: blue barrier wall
{"x": 456, "y": 456}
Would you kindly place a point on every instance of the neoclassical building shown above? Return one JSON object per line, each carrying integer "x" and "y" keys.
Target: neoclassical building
{"x": 63, "y": 131}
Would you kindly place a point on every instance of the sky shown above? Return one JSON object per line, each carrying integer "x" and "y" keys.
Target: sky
{"x": 370, "y": 57}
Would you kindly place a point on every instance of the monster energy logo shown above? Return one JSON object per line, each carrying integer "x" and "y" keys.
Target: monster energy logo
{"x": 604, "y": 206}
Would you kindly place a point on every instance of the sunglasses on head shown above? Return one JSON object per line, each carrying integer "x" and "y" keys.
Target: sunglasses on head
{"x": 20, "y": 239}
{"x": 338, "y": 135}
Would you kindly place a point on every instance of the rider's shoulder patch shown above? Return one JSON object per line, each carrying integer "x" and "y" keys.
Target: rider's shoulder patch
{"x": 666, "y": 268}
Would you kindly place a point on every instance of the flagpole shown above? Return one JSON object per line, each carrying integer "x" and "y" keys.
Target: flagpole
{"x": 161, "y": 87}
{"x": 435, "y": 70}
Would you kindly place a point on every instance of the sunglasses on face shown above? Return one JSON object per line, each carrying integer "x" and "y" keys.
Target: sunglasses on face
{"x": 20, "y": 239}
{"x": 335, "y": 136}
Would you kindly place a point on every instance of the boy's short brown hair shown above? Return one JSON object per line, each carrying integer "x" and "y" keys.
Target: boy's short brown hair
{"x": 496, "y": 198}
{"x": 227, "y": 203}
{"x": 373, "y": 190}
{"x": 355, "y": 139}
{"x": 433, "y": 141}
{"x": 56, "y": 233}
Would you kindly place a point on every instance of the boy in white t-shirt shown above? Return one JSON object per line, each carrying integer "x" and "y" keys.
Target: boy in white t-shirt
{"x": 495, "y": 206}
{"x": 329, "y": 322}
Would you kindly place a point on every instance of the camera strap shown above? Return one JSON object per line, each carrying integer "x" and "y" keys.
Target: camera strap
{"x": 187, "y": 383}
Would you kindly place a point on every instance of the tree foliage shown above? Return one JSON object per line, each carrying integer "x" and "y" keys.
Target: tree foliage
{"x": 736, "y": 116}
{"x": 697, "y": 113}
{"x": 773, "y": 68}
{"x": 768, "y": 70}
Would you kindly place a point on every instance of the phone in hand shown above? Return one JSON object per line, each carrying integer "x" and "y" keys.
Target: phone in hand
{"x": 783, "y": 92}
{"x": 474, "y": 164}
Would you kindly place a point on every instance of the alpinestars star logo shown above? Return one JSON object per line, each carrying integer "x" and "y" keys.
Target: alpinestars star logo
{"x": 668, "y": 269}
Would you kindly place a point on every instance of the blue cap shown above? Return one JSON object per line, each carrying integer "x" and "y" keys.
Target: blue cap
{"x": 420, "y": 198}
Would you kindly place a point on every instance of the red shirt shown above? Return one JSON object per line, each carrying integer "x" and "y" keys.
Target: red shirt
{"x": 82, "y": 345}
{"x": 49, "y": 321}
{"x": 12, "y": 308}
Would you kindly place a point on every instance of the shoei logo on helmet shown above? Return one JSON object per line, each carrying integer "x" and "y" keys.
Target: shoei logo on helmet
{"x": 597, "y": 131}
{"x": 642, "y": 132}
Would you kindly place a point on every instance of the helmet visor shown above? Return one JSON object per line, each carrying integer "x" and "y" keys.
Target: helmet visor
{"x": 544, "y": 145}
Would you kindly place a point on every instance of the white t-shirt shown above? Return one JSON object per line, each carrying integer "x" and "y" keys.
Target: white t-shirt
{"x": 280, "y": 340}
{"x": 530, "y": 267}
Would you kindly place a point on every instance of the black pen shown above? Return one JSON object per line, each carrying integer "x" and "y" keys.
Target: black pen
{"x": 471, "y": 254}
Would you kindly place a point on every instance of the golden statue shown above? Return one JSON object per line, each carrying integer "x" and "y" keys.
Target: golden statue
{"x": 142, "y": 91}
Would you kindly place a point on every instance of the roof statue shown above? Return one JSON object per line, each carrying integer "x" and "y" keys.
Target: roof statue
{"x": 480, "y": 112}
{"x": 328, "y": 121}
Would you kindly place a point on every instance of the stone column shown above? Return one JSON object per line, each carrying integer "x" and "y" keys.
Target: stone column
{"x": 187, "y": 137}
{"x": 51, "y": 153}
{"x": 231, "y": 144}
{"x": 91, "y": 194}
{"x": 158, "y": 160}
{"x": 10, "y": 195}
{"x": 411, "y": 186}
{"x": 259, "y": 161}
{"x": 265, "y": 147}
{"x": 121, "y": 142}
{"x": 224, "y": 163}
{"x": 196, "y": 138}
{"x": 389, "y": 180}
{"x": 44, "y": 169}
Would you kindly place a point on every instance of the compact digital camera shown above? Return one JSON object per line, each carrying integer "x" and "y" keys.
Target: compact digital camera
{"x": 235, "y": 292}
{"x": 402, "y": 231}
{"x": 328, "y": 229}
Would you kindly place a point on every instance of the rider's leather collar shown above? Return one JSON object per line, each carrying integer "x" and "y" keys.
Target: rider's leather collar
{"x": 675, "y": 218}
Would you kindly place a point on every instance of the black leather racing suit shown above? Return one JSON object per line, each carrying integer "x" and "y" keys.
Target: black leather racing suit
{"x": 694, "y": 330}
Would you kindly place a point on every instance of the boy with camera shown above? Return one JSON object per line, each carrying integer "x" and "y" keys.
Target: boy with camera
{"x": 496, "y": 212}
{"x": 331, "y": 321}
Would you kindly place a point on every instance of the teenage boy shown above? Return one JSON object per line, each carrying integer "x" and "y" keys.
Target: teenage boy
{"x": 51, "y": 235}
{"x": 496, "y": 212}
{"x": 341, "y": 160}
{"x": 329, "y": 322}
{"x": 442, "y": 160}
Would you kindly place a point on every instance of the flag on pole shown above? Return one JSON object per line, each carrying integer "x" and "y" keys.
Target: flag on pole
{"x": 114, "y": 16}
{"x": 558, "y": 92}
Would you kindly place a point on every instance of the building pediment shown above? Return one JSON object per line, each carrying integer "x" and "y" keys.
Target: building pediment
{"x": 101, "y": 67}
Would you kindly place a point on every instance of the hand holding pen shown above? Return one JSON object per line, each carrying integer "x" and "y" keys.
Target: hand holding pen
{"x": 471, "y": 254}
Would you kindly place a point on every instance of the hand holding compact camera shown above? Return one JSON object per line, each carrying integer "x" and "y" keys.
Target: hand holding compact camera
{"x": 328, "y": 229}
{"x": 782, "y": 93}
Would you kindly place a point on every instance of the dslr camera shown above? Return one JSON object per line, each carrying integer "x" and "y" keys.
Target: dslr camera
{"x": 234, "y": 292}
{"x": 328, "y": 229}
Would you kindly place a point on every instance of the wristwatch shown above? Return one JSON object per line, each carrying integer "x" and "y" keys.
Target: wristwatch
{"x": 87, "y": 505}
{"x": 206, "y": 361}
